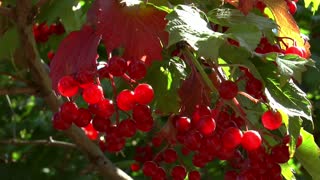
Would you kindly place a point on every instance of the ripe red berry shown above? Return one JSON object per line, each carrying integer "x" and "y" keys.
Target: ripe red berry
{"x": 296, "y": 50}
{"x": 149, "y": 168}
{"x": 141, "y": 113}
{"x": 127, "y": 128}
{"x": 199, "y": 112}
{"x": 137, "y": 70}
{"x": 232, "y": 137}
{"x": 280, "y": 153}
{"x": 228, "y": 90}
{"x": 101, "y": 124}
{"x": 170, "y": 155}
{"x": 84, "y": 117}
{"x": 104, "y": 108}
{"x": 182, "y": 124}
{"x": 146, "y": 125}
{"x": 135, "y": 167}
{"x": 85, "y": 78}
{"x": 59, "y": 123}
{"x": 143, "y": 94}
{"x": 206, "y": 125}
{"x": 292, "y": 7}
{"x": 126, "y": 100}
{"x": 194, "y": 175}
{"x": 92, "y": 94}
{"x": 251, "y": 140}
{"x": 254, "y": 87}
{"x": 271, "y": 120}
{"x": 178, "y": 173}
{"x": 68, "y": 86}
{"x": 117, "y": 66}
{"x": 90, "y": 132}
{"x": 69, "y": 111}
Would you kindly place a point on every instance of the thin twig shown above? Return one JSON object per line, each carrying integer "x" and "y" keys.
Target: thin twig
{"x": 18, "y": 90}
{"x": 43, "y": 142}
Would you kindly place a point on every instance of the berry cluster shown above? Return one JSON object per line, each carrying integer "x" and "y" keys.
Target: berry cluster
{"x": 42, "y": 31}
{"x": 100, "y": 111}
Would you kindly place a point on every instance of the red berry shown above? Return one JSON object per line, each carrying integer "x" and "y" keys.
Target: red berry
{"x": 146, "y": 125}
{"x": 299, "y": 141}
{"x": 199, "y": 112}
{"x": 50, "y": 55}
{"x": 101, "y": 124}
{"x": 206, "y": 125}
{"x": 68, "y": 86}
{"x": 149, "y": 168}
{"x": 296, "y": 50}
{"x": 126, "y": 100}
{"x": 271, "y": 120}
{"x": 178, "y": 173}
{"x": 85, "y": 78}
{"x": 232, "y": 137}
{"x": 157, "y": 141}
{"x": 104, "y": 108}
{"x": 292, "y": 7}
{"x": 254, "y": 87}
{"x": 194, "y": 175}
{"x": 92, "y": 94}
{"x": 59, "y": 123}
{"x": 127, "y": 128}
{"x": 280, "y": 153}
{"x": 135, "y": 167}
{"x": 141, "y": 113}
{"x": 143, "y": 94}
{"x": 117, "y": 66}
{"x": 230, "y": 175}
{"x": 69, "y": 111}
{"x": 193, "y": 140}
{"x": 137, "y": 70}
{"x": 183, "y": 124}
{"x": 90, "y": 132}
{"x": 84, "y": 117}
{"x": 170, "y": 155}
{"x": 251, "y": 140}
{"x": 228, "y": 90}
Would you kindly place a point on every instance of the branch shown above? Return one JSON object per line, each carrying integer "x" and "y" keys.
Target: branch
{"x": 49, "y": 142}
{"x": 17, "y": 90}
{"x": 6, "y": 11}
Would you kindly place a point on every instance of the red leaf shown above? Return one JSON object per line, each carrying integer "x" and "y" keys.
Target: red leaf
{"x": 140, "y": 30}
{"x": 78, "y": 51}
{"x": 192, "y": 92}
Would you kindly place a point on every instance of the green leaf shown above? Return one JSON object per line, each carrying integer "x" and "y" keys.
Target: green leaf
{"x": 289, "y": 98}
{"x": 8, "y": 43}
{"x": 185, "y": 23}
{"x": 165, "y": 78}
{"x": 315, "y": 4}
{"x": 286, "y": 171}
{"x": 248, "y": 35}
{"x": 233, "y": 18}
{"x": 294, "y": 127}
{"x": 292, "y": 66}
{"x": 308, "y": 155}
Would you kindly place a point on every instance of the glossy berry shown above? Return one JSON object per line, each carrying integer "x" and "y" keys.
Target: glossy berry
{"x": 199, "y": 112}
{"x": 104, "y": 108}
{"x": 127, "y": 128}
{"x": 146, "y": 125}
{"x": 178, "y": 173}
{"x": 68, "y": 86}
{"x": 296, "y": 50}
{"x": 84, "y": 117}
{"x": 141, "y": 113}
{"x": 117, "y": 66}
{"x": 59, "y": 123}
{"x": 232, "y": 137}
{"x": 90, "y": 132}
{"x": 101, "y": 124}
{"x": 251, "y": 140}
{"x": 271, "y": 120}
{"x": 254, "y": 87}
{"x": 92, "y": 94}
{"x": 69, "y": 111}
{"x": 170, "y": 155}
{"x": 228, "y": 90}
{"x": 194, "y": 175}
{"x": 137, "y": 70}
{"x": 135, "y": 167}
{"x": 149, "y": 168}
{"x": 286, "y": 140}
{"x": 182, "y": 124}
{"x": 206, "y": 125}
{"x": 292, "y": 7}
{"x": 126, "y": 100}
{"x": 143, "y": 94}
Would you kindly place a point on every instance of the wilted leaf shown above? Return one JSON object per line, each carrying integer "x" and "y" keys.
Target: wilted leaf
{"x": 76, "y": 52}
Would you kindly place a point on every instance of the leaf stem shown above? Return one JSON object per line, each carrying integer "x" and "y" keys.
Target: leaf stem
{"x": 205, "y": 77}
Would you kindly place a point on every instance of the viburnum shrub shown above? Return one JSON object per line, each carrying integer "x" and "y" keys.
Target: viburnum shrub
{"x": 199, "y": 83}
